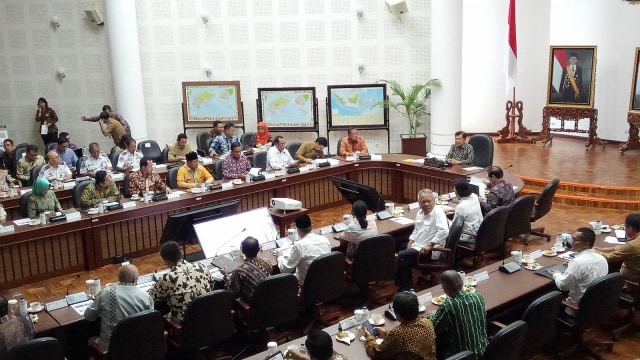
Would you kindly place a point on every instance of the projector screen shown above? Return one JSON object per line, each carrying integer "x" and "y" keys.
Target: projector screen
{"x": 223, "y": 235}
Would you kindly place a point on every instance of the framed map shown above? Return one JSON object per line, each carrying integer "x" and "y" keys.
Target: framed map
{"x": 293, "y": 108}
{"x": 206, "y": 101}
{"x": 355, "y": 106}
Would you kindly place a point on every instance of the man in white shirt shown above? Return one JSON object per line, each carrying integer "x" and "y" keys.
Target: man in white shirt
{"x": 585, "y": 267}
{"x": 430, "y": 230}
{"x": 129, "y": 159}
{"x": 95, "y": 162}
{"x": 303, "y": 251}
{"x": 469, "y": 207}
{"x": 278, "y": 157}
{"x": 55, "y": 169}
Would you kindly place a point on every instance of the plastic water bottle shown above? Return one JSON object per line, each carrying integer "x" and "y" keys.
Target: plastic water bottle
{"x": 203, "y": 187}
{"x": 23, "y": 306}
{"x": 365, "y": 312}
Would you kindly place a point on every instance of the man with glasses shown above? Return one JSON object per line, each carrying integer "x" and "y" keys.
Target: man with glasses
{"x": 586, "y": 266}
{"x": 237, "y": 165}
{"x": 629, "y": 252}
{"x": 311, "y": 150}
{"x": 55, "y": 168}
{"x": 30, "y": 160}
{"x": 278, "y": 157}
{"x": 8, "y": 160}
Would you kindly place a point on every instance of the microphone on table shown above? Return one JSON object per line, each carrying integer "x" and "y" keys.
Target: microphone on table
{"x": 508, "y": 167}
{"x": 155, "y": 272}
{"x": 72, "y": 281}
{"x": 228, "y": 241}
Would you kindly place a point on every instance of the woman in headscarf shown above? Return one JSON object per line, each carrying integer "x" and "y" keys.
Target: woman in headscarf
{"x": 42, "y": 198}
{"x": 262, "y": 136}
{"x": 359, "y": 229}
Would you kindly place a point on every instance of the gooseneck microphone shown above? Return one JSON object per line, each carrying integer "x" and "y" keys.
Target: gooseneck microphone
{"x": 228, "y": 241}
{"x": 72, "y": 281}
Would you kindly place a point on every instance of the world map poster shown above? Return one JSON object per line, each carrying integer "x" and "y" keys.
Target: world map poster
{"x": 209, "y": 101}
{"x": 288, "y": 108}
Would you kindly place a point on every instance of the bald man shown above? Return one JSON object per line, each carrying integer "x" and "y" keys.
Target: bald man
{"x": 127, "y": 298}
{"x": 55, "y": 168}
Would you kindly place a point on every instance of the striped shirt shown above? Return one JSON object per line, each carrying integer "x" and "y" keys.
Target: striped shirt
{"x": 461, "y": 324}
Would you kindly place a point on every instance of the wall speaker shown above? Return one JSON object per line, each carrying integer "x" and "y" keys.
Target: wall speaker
{"x": 94, "y": 14}
{"x": 397, "y": 7}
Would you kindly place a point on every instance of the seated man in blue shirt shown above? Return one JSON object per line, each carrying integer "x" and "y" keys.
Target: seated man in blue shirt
{"x": 221, "y": 145}
{"x": 67, "y": 155}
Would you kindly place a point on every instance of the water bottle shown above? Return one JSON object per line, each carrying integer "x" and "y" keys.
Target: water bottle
{"x": 43, "y": 218}
{"x": 203, "y": 187}
{"x": 356, "y": 155}
{"x": 365, "y": 312}
{"x": 100, "y": 207}
{"x": 23, "y": 306}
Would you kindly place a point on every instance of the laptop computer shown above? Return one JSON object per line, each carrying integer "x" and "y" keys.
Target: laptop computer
{"x": 223, "y": 261}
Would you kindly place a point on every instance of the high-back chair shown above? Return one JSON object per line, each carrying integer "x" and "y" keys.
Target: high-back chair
{"x": 260, "y": 160}
{"x": 33, "y": 175}
{"x": 292, "y": 147}
{"x": 37, "y": 349}
{"x": 151, "y": 150}
{"x": 76, "y": 193}
{"x": 172, "y": 177}
{"x": 482, "y": 150}
{"x": 507, "y": 343}
{"x": 373, "y": 260}
{"x": 599, "y": 304}
{"x": 435, "y": 267}
{"x": 274, "y": 302}
{"x": 543, "y": 206}
{"x": 201, "y": 141}
{"x": 324, "y": 282}
{"x": 519, "y": 219}
{"x": 489, "y": 239}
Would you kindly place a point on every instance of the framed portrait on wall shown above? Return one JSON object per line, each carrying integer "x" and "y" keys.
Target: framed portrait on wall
{"x": 206, "y": 101}
{"x": 572, "y": 76}
{"x": 634, "y": 103}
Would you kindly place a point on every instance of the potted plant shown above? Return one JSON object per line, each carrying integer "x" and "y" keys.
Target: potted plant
{"x": 413, "y": 105}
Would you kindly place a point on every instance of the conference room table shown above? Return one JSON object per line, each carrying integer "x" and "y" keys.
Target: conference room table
{"x": 504, "y": 295}
{"x": 33, "y": 253}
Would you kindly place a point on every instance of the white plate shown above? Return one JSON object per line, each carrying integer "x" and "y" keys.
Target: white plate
{"x": 381, "y": 322}
{"x": 469, "y": 289}
{"x": 237, "y": 181}
{"x": 606, "y": 230}
{"x": 195, "y": 190}
{"x": 92, "y": 211}
{"x": 34, "y": 223}
{"x": 422, "y": 308}
{"x": 34, "y": 311}
{"x": 351, "y": 335}
{"x": 436, "y": 302}
{"x": 549, "y": 252}
{"x": 559, "y": 251}
{"x": 532, "y": 266}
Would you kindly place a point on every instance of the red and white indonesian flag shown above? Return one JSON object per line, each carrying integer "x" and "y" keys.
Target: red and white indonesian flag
{"x": 511, "y": 50}
{"x": 559, "y": 62}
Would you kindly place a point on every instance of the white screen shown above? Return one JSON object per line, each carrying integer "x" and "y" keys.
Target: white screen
{"x": 223, "y": 235}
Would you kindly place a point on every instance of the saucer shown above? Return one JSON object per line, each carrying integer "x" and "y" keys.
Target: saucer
{"x": 92, "y": 211}
{"x": 36, "y": 310}
{"x": 549, "y": 252}
{"x": 346, "y": 334}
{"x": 237, "y": 181}
{"x": 532, "y": 266}
{"x": 381, "y": 322}
{"x": 34, "y": 222}
{"x": 422, "y": 308}
{"x": 438, "y": 300}
{"x": 606, "y": 229}
{"x": 469, "y": 289}
{"x": 195, "y": 190}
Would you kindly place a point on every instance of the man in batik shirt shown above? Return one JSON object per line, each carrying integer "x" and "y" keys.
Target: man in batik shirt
{"x": 461, "y": 152}
{"x": 500, "y": 192}
{"x": 246, "y": 277}
{"x": 146, "y": 179}
{"x": 237, "y": 165}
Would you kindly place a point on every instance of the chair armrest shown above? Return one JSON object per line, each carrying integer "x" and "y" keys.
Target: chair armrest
{"x": 474, "y": 234}
{"x": 441, "y": 249}
{"x": 498, "y": 324}
{"x": 97, "y": 351}
{"x": 348, "y": 261}
{"x": 173, "y": 324}
{"x": 569, "y": 305}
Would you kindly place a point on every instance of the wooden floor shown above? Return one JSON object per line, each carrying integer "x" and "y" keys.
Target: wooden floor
{"x": 565, "y": 159}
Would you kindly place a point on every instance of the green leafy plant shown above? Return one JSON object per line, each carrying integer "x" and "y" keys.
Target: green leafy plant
{"x": 413, "y": 103}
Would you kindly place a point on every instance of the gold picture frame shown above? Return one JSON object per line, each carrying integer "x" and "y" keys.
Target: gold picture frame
{"x": 572, "y": 76}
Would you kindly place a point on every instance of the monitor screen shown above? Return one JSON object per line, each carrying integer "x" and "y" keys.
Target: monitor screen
{"x": 353, "y": 191}
{"x": 221, "y": 236}
{"x": 179, "y": 226}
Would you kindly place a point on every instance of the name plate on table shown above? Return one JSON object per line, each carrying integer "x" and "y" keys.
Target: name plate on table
{"x": 481, "y": 276}
{"x": 81, "y": 307}
{"x": 7, "y": 229}
{"x": 413, "y": 206}
{"x": 129, "y": 204}
{"x": 270, "y": 245}
{"x": 69, "y": 185}
{"x": 268, "y": 176}
{"x": 227, "y": 185}
{"x": 536, "y": 254}
{"x": 73, "y": 216}
{"x": 145, "y": 278}
{"x": 55, "y": 305}
{"x": 303, "y": 169}
{"x": 376, "y": 157}
{"x": 348, "y": 323}
{"x": 207, "y": 161}
{"x": 173, "y": 196}
{"x": 425, "y": 298}
{"x": 326, "y": 230}
{"x": 117, "y": 176}
{"x": 76, "y": 298}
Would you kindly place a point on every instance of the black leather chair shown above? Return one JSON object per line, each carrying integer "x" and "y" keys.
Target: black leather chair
{"x": 507, "y": 343}
{"x": 24, "y": 205}
{"x": 114, "y": 160}
{"x": 113, "y": 150}
{"x": 34, "y": 174}
{"x": 541, "y": 316}
{"x": 48, "y": 348}
{"x": 151, "y": 150}
{"x": 260, "y": 160}
{"x": 248, "y": 140}
{"x": 599, "y": 304}
{"x": 125, "y": 186}
{"x": 217, "y": 170}
{"x": 463, "y": 355}
{"x": 79, "y": 165}
{"x": 324, "y": 282}
{"x": 373, "y": 260}
{"x": 208, "y": 321}
{"x": 172, "y": 177}
{"x": 482, "y": 150}
{"x": 292, "y": 147}
{"x": 274, "y": 302}
{"x": 489, "y": 238}
{"x": 209, "y": 141}
{"x": 543, "y": 206}
{"x": 424, "y": 262}
{"x": 76, "y": 193}
{"x": 20, "y": 151}
{"x": 165, "y": 155}
{"x": 201, "y": 141}
{"x": 139, "y": 336}
{"x": 630, "y": 301}
{"x": 519, "y": 219}
{"x": 338, "y": 147}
